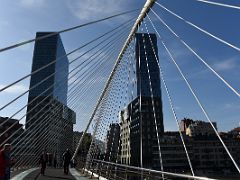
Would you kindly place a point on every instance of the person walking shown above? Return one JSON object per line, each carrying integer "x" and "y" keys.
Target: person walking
{"x": 43, "y": 162}
{"x": 66, "y": 161}
{"x": 5, "y": 162}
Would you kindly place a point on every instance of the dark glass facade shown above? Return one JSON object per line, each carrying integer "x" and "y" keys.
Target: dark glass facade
{"x": 143, "y": 134}
{"x": 46, "y": 51}
{"x": 112, "y": 143}
{"x": 48, "y": 118}
{"x": 146, "y": 49}
{"x": 146, "y": 117}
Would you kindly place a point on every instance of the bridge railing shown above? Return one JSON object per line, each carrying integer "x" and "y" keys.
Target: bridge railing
{"x": 111, "y": 170}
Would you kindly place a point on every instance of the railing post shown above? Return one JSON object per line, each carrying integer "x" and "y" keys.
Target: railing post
{"x": 109, "y": 173}
{"x": 100, "y": 170}
{"x": 126, "y": 173}
{"x": 92, "y": 166}
{"x": 149, "y": 174}
{"x": 115, "y": 175}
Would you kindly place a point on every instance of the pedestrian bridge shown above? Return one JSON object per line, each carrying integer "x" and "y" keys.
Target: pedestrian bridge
{"x": 117, "y": 89}
{"x": 51, "y": 173}
{"x": 112, "y": 171}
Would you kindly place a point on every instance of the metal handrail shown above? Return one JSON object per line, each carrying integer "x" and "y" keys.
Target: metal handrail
{"x": 155, "y": 171}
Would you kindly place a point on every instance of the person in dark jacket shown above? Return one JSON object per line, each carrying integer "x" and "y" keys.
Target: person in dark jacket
{"x": 43, "y": 161}
{"x": 5, "y": 162}
{"x": 66, "y": 160}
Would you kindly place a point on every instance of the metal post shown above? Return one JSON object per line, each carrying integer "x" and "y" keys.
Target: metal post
{"x": 126, "y": 173}
{"x": 109, "y": 173}
{"x": 92, "y": 165}
{"x": 100, "y": 170}
{"x": 156, "y": 172}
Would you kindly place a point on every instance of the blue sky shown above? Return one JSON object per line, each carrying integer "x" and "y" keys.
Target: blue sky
{"x": 221, "y": 104}
{"x": 20, "y": 20}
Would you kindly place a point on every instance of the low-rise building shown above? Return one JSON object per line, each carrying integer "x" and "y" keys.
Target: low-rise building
{"x": 174, "y": 156}
{"x": 196, "y": 128}
{"x": 206, "y": 152}
{"x": 210, "y": 157}
{"x": 10, "y": 130}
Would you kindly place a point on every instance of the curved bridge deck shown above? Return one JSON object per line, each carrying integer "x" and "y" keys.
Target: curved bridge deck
{"x": 50, "y": 174}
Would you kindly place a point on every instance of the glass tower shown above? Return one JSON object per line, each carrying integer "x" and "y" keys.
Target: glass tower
{"x": 146, "y": 49}
{"x": 47, "y": 51}
{"x": 145, "y": 123}
{"x": 49, "y": 120}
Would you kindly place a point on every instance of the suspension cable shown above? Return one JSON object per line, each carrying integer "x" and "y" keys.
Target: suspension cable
{"x": 200, "y": 29}
{"x": 197, "y": 55}
{"x": 60, "y": 82}
{"x": 171, "y": 102}
{"x": 219, "y": 4}
{"x": 58, "y": 86}
{"x": 64, "y": 30}
{"x": 49, "y": 103}
{"x": 201, "y": 107}
{"x": 47, "y": 65}
{"x": 36, "y": 85}
{"x": 151, "y": 91}
{"x": 144, "y": 11}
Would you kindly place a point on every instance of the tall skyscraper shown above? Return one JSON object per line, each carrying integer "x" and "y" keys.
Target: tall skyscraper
{"x": 147, "y": 70}
{"x": 47, "y": 51}
{"x": 147, "y": 65}
{"x": 49, "y": 120}
{"x": 145, "y": 117}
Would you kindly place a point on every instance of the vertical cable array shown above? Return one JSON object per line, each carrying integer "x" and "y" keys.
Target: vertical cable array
{"x": 170, "y": 99}
{"x": 152, "y": 97}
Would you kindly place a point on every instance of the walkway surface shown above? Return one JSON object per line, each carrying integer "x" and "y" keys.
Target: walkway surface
{"x": 50, "y": 174}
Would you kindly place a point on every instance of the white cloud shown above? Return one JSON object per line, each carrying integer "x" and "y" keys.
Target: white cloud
{"x": 32, "y": 3}
{"x": 93, "y": 9}
{"x": 178, "y": 108}
{"x": 228, "y": 64}
{"x": 15, "y": 89}
{"x": 178, "y": 52}
{"x": 232, "y": 106}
